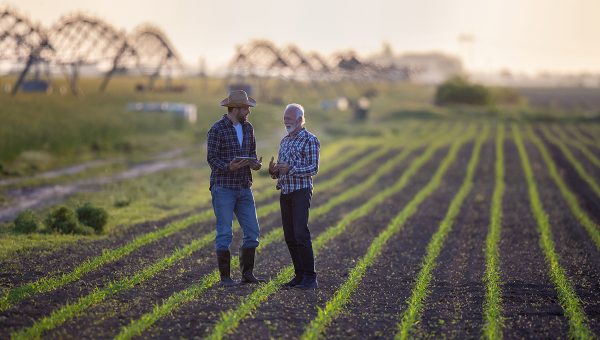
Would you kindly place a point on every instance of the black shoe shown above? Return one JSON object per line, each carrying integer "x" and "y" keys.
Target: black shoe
{"x": 293, "y": 282}
{"x": 247, "y": 266}
{"x": 224, "y": 262}
{"x": 308, "y": 283}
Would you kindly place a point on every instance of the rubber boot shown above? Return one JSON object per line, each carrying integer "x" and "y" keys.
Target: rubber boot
{"x": 224, "y": 261}
{"x": 247, "y": 266}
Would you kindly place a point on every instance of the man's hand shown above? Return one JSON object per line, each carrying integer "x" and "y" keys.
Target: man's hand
{"x": 272, "y": 168}
{"x": 236, "y": 164}
{"x": 283, "y": 168}
{"x": 256, "y": 165}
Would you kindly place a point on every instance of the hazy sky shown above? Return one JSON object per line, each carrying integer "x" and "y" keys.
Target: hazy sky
{"x": 521, "y": 35}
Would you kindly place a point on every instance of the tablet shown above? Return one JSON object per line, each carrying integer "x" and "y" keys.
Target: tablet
{"x": 244, "y": 157}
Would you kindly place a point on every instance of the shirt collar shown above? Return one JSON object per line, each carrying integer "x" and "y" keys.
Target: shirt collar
{"x": 229, "y": 122}
{"x": 298, "y": 133}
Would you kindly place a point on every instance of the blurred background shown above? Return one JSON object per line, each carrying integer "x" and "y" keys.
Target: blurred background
{"x": 97, "y": 97}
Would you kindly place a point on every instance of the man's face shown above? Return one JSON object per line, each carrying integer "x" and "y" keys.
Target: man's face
{"x": 241, "y": 113}
{"x": 290, "y": 120}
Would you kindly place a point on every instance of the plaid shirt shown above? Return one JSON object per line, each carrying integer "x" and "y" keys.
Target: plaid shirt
{"x": 223, "y": 146}
{"x": 301, "y": 152}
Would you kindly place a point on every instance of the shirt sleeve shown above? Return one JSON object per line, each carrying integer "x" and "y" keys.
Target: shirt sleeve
{"x": 311, "y": 167}
{"x": 252, "y": 144}
{"x": 212, "y": 156}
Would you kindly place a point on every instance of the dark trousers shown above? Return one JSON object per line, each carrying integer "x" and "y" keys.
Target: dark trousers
{"x": 294, "y": 217}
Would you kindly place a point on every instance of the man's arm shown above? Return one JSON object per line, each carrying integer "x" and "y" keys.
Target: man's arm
{"x": 311, "y": 167}
{"x": 212, "y": 156}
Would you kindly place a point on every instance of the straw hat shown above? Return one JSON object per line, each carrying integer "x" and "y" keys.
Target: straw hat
{"x": 238, "y": 98}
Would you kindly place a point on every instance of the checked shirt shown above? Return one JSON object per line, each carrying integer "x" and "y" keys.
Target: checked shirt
{"x": 223, "y": 146}
{"x": 301, "y": 152}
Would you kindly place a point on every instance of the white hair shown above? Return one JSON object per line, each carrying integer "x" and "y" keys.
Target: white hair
{"x": 299, "y": 109}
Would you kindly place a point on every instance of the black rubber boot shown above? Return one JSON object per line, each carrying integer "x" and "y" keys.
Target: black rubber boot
{"x": 224, "y": 261}
{"x": 247, "y": 266}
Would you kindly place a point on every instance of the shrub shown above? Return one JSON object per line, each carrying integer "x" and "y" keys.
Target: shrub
{"x": 26, "y": 222}
{"x": 63, "y": 220}
{"x": 459, "y": 91}
{"x": 92, "y": 216}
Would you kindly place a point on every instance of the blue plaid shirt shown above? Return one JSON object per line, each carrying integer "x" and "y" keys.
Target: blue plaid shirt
{"x": 223, "y": 146}
{"x": 301, "y": 152}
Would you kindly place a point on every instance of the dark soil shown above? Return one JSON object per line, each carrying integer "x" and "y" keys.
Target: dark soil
{"x": 588, "y": 199}
{"x": 335, "y": 262}
{"x": 529, "y": 301}
{"x": 454, "y": 306}
{"x": 175, "y": 278}
{"x": 376, "y": 306}
{"x": 577, "y": 252}
{"x": 34, "y": 264}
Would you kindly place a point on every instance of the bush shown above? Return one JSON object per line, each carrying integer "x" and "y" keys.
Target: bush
{"x": 26, "y": 222}
{"x": 460, "y": 91}
{"x": 63, "y": 220}
{"x": 93, "y": 217}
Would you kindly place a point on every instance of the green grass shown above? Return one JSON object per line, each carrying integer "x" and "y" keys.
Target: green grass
{"x": 573, "y": 160}
{"x": 230, "y": 320}
{"x": 136, "y": 327}
{"x": 416, "y": 302}
{"x": 492, "y": 307}
{"x": 570, "y": 197}
{"x": 50, "y": 283}
{"x": 568, "y": 299}
{"x": 335, "y": 305}
{"x": 578, "y": 145}
{"x": 69, "y": 311}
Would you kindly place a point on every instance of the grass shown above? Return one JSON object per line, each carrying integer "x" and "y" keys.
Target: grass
{"x": 70, "y": 311}
{"x": 416, "y": 302}
{"x": 573, "y": 160}
{"x": 568, "y": 299}
{"x": 230, "y": 320}
{"x": 50, "y": 283}
{"x": 492, "y": 307}
{"x": 159, "y": 196}
{"x": 570, "y": 197}
{"x": 342, "y": 296}
{"x": 136, "y": 327}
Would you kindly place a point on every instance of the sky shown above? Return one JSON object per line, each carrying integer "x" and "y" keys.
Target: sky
{"x": 523, "y": 36}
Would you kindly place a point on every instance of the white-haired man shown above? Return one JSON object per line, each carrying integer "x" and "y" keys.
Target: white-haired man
{"x": 297, "y": 162}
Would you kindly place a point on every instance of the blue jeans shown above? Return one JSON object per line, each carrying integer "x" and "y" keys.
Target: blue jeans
{"x": 225, "y": 203}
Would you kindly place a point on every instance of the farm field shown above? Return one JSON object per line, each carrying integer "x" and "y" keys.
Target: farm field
{"x": 442, "y": 228}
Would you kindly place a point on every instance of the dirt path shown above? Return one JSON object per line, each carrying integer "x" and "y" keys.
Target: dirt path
{"x": 38, "y": 197}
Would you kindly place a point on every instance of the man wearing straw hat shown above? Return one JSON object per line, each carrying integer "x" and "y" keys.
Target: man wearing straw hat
{"x": 231, "y": 154}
